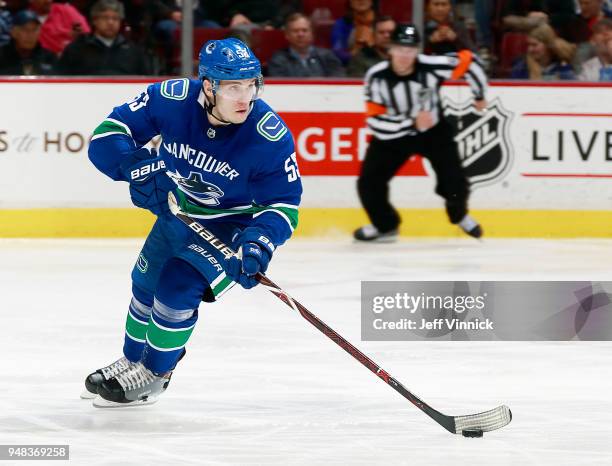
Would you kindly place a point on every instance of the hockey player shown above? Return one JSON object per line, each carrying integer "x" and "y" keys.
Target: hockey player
{"x": 231, "y": 162}
{"x": 404, "y": 115}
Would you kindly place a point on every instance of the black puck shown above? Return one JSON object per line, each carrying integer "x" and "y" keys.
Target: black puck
{"x": 472, "y": 433}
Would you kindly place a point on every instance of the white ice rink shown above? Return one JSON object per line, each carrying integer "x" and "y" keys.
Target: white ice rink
{"x": 260, "y": 385}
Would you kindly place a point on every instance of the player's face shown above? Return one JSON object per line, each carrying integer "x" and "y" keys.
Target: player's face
{"x": 402, "y": 58}
{"x": 233, "y": 99}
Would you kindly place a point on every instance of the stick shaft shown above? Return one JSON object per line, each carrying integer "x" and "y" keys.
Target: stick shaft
{"x": 445, "y": 421}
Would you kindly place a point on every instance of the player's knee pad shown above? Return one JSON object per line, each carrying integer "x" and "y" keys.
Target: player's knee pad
{"x": 180, "y": 288}
{"x": 143, "y": 296}
{"x": 142, "y": 300}
{"x": 172, "y": 314}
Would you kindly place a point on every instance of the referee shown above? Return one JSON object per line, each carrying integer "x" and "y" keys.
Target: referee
{"x": 404, "y": 114}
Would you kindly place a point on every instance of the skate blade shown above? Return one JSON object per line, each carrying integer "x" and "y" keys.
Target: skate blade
{"x": 386, "y": 239}
{"x": 87, "y": 395}
{"x": 381, "y": 240}
{"x": 100, "y": 402}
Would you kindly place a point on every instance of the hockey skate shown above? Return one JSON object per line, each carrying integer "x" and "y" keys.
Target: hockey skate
{"x": 371, "y": 233}
{"x": 471, "y": 227}
{"x": 95, "y": 379}
{"x": 135, "y": 386}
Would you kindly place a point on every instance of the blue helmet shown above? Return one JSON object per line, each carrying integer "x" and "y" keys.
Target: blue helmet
{"x": 227, "y": 59}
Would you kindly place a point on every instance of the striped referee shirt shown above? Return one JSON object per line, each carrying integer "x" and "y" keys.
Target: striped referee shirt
{"x": 393, "y": 102}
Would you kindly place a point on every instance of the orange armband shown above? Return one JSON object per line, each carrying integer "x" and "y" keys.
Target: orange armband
{"x": 465, "y": 60}
{"x": 373, "y": 109}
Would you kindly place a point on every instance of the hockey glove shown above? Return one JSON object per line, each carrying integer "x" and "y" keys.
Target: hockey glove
{"x": 253, "y": 253}
{"x": 149, "y": 184}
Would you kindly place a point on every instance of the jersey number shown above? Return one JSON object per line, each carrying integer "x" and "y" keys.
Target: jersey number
{"x": 293, "y": 173}
{"x": 139, "y": 102}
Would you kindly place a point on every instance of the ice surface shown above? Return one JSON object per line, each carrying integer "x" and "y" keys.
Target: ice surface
{"x": 260, "y": 385}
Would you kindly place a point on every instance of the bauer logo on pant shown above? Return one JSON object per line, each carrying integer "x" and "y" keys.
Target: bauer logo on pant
{"x": 482, "y": 139}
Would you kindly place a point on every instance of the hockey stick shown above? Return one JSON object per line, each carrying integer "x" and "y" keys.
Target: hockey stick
{"x": 471, "y": 425}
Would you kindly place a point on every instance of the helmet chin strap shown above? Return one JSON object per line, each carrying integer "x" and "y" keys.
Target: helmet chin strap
{"x": 209, "y": 106}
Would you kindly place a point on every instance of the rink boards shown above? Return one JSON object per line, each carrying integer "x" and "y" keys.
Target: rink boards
{"x": 538, "y": 159}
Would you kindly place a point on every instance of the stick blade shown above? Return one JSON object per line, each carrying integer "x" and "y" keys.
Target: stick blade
{"x": 486, "y": 422}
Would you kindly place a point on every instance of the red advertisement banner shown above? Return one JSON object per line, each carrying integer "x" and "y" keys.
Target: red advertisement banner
{"x": 334, "y": 144}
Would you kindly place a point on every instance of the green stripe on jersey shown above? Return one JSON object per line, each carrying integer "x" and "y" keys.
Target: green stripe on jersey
{"x": 291, "y": 214}
{"x": 202, "y": 212}
{"x": 221, "y": 286}
{"x": 109, "y": 127}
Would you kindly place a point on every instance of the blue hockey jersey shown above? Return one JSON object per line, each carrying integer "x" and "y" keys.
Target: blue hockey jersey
{"x": 245, "y": 172}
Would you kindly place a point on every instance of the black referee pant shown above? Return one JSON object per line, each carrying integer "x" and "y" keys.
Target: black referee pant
{"x": 384, "y": 158}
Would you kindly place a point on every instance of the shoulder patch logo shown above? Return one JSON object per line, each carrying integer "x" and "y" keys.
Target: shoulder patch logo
{"x": 175, "y": 89}
{"x": 270, "y": 127}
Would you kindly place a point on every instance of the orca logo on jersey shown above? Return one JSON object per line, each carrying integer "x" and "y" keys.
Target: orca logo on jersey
{"x": 195, "y": 187}
{"x": 482, "y": 139}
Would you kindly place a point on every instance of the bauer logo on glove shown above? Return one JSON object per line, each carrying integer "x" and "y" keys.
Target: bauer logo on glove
{"x": 254, "y": 252}
{"x": 141, "y": 173}
{"x": 149, "y": 185}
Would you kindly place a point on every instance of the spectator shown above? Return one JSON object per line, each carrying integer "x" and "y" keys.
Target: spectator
{"x": 369, "y": 56}
{"x": 302, "y": 58}
{"x": 167, "y": 16}
{"x": 483, "y": 16}
{"x": 61, "y": 24}
{"x": 524, "y": 15}
{"x": 249, "y": 14}
{"x": 105, "y": 51}
{"x": 23, "y": 55}
{"x": 599, "y": 68}
{"x": 580, "y": 29}
{"x": 548, "y": 57}
{"x": 354, "y": 30}
{"x": 5, "y": 24}
{"x": 443, "y": 34}
{"x": 137, "y": 21}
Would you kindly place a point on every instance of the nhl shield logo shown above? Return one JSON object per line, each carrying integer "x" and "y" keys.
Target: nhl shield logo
{"x": 482, "y": 139}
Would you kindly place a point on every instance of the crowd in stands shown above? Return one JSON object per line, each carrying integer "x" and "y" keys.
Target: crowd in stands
{"x": 516, "y": 39}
